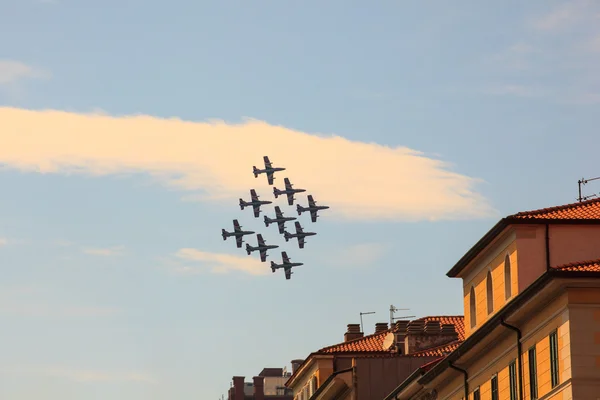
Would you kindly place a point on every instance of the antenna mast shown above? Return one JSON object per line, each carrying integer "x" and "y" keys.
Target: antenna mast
{"x": 581, "y": 182}
{"x": 361, "y": 321}
{"x": 393, "y": 310}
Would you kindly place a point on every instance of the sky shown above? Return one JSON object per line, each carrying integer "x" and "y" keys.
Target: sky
{"x": 128, "y": 132}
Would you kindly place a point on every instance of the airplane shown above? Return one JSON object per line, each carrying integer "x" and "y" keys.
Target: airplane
{"x": 300, "y": 234}
{"x": 255, "y": 203}
{"x": 237, "y": 232}
{"x": 288, "y": 190}
{"x": 286, "y": 265}
{"x": 262, "y": 247}
{"x": 279, "y": 218}
{"x": 312, "y": 207}
{"x": 269, "y": 170}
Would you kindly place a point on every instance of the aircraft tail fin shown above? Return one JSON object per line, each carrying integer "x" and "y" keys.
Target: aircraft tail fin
{"x": 286, "y": 235}
{"x": 275, "y": 192}
{"x": 267, "y": 221}
{"x": 299, "y": 209}
{"x": 273, "y": 266}
{"x": 254, "y": 170}
{"x": 223, "y": 233}
{"x": 248, "y": 249}
{"x": 242, "y": 204}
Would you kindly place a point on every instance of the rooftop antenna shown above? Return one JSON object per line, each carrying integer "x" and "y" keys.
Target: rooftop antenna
{"x": 361, "y": 321}
{"x": 583, "y": 181}
{"x": 393, "y": 310}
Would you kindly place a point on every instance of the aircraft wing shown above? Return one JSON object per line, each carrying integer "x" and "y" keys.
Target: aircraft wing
{"x": 261, "y": 241}
{"x": 288, "y": 272}
{"x": 256, "y": 208}
{"x": 238, "y": 241}
{"x": 278, "y": 213}
{"x": 267, "y": 162}
{"x": 301, "y": 242}
{"x": 288, "y": 185}
{"x": 311, "y": 201}
{"x": 290, "y": 197}
{"x": 236, "y": 225}
{"x": 270, "y": 178}
{"x": 285, "y": 257}
{"x": 313, "y": 215}
{"x": 263, "y": 255}
{"x": 281, "y": 226}
{"x": 298, "y": 227}
{"x": 253, "y": 195}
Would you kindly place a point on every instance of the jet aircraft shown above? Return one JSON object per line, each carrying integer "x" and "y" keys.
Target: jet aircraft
{"x": 237, "y": 232}
{"x": 289, "y": 190}
{"x": 286, "y": 265}
{"x": 312, "y": 207}
{"x": 300, "y": 234}
{"x": 279, "y": 218}
{"x": 262, "y": 247}
{"x": 269, "y": 170}
{"x": 254, "y": 202}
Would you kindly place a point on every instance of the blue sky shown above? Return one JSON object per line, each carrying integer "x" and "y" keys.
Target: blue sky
{"x": 419, "y": 124}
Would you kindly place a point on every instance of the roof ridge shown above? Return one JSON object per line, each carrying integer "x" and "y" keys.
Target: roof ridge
{"x": 457, "y": 341}
{"x": 356, "y": 340}
{"x": 578, "y": 263}
{"x": 553, "y": 208}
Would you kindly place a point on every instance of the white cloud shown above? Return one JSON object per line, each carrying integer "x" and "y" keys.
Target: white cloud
{"x": 3, "y": 241}
{"x": 77, "y": 374}
{"x": 358, "y": 180}
{"x": 219, "y": 263}
{"x": 107, "y": 252}
{"x": 13, "y": 71}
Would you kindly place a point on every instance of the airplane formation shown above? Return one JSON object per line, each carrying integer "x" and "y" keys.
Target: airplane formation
{"x": 279, "y": 219}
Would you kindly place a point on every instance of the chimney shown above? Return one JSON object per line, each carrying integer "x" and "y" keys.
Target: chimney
{"x": 259, "y": 387}
{"x": 295, "y": 365}
{"x": 401, "y": 326}
{"x": 400, "y": 331}
{"x": 423, "y": 335}
{"x": 353, "y": 332}
{"x": 380, "y": 327}
{"x": 238, "y": 388}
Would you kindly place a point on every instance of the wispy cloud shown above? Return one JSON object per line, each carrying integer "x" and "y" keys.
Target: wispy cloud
{"x": 13, "y": 71}
{"x": 107, "y": 252}
{"x": 218, "y": 263}
{"x": 3, "y": 241}
{"x": 77, "y": 374}
{"x": 358, "y": 180}
{"x": 362, "y": 254}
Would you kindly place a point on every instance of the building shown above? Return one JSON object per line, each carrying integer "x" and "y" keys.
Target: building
{"x": 532, "y": 311}
{"x": 369, "y": 367}
{"x": 269, "y": 384}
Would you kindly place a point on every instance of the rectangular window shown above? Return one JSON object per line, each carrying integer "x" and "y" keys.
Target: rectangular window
{"x": 533, "y": 389}
{"x": 554, "y": 358}
{"x": 495, "y": 387}
{"x": 512, "y": 379}
{"x": 476, "y": 394}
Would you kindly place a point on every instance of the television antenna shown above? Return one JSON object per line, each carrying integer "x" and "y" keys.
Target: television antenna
{"x": 393, "y": 310}
{"x": 361, "y": 321}
{"x": 581, "y": 182}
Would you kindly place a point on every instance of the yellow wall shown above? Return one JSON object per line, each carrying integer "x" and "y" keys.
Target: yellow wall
{"x": 479, "y": 281}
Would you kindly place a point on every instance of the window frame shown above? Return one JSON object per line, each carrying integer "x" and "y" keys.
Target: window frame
{"x": 512, "y": 380}
{"x": 533, "y": 378}
{"x": 507, "y": 278}
{"x": 489, "y": 292}
{"x": 494, "y": 392}
{"x": 476, "y": 394}
{"x": 473, "y": 307}
{"x": 554, "y": 367}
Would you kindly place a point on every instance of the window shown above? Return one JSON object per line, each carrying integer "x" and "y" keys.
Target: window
{"x": 533, "y": 390}
{"x": 507, "y": 278}
{"x": 476, "y": 395}
{"x": 473, "y": 313}
{"x": 489, "y": 292}
{"x": 554, "y": 379}
{"x": 495, "y": 387}
{"x": 512, "y": 379}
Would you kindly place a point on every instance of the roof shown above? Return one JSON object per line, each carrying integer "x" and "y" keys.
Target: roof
{"x": 581, "y": 266}
{"x": 584, "y": 212}
{"x": 439, "y": 351}
{"x": 374, "y": 342}
{"x": 419, "y": 372}
{"x": 278, "y": 372}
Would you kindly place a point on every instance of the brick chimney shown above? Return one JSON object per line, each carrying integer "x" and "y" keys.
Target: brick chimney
{"x": 259, "y": 387}
{"x": 400, "y": 331}
{"x": 296, "y": 364}
{"x": 353, "y": 332}
{"x": 380, "y": 327}
{"x": 421, "y": 335}
{"x": 238, "y": 388}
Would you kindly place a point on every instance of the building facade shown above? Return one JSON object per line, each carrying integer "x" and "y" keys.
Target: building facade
{"x": 532, "y": 311}
{"x": 268, "y": 385}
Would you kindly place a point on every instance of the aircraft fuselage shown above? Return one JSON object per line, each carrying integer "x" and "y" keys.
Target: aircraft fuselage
{"x": 267, "y": 170}
{"x": 259, "y": 248}
{"x": 276, "y": 266}
{"x": 239, "y": 233}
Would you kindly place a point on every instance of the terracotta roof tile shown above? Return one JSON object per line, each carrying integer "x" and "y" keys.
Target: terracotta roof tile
{"x": 427, "y": 366}
{"x": 589, "y": 209}
{"x": 581, "y": 266}
{"x": 374, "y": 343}
{"x": 440, "y": 351}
